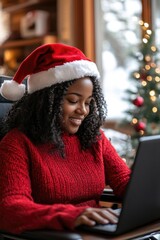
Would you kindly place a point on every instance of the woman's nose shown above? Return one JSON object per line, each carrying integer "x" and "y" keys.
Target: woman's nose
{"x": 82, "y": 109}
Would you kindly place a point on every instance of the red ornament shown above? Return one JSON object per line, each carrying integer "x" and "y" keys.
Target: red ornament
{"x": 143, "y": 75}
{"x": 138, "y": 101}
{"x": 140, "y": 126}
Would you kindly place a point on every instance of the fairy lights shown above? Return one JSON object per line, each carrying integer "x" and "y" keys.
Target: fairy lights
{"x": 149, "y": 78}
{"x": 154, "y": 109}
{"x": 144, "y": 83}
{"x": 157, "y": 79}
{"x": 146, "y": 100}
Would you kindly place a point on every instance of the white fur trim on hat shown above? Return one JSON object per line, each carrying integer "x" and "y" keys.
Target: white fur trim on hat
{"x": 68, "y": 71}
{"x": 12, "y": 90}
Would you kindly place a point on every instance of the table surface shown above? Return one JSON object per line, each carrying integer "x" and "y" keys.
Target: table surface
{"x": 152, "y": 228}
{"x": 139, "y": 233}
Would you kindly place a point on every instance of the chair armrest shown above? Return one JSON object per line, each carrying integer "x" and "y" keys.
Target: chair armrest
{"x": 109, "y": 196}
{"x": 41, "y": 235}
{"x": 110, "y": 200}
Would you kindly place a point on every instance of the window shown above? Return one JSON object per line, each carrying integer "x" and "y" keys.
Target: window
{"x": 118, "y": 34}
{"x": 155, "y": 5}
{"x": 4, "y": 25}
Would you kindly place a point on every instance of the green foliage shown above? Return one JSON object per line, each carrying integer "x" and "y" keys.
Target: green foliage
{"x": 145, "y": 87}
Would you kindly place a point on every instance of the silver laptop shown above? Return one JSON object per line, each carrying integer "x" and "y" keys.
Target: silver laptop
{"x": 141, "y": 204}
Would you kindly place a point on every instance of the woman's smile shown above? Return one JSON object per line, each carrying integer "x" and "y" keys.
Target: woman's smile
{"x": 76, "y": 121}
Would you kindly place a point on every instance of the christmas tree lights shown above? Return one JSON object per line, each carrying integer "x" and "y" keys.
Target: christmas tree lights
{"x": 144, "y": 95}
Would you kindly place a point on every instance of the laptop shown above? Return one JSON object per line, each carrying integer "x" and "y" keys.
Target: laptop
{"x": 141, "y": 203}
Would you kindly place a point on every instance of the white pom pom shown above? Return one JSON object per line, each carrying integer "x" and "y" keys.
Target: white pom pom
{"x": 12, "y": 90}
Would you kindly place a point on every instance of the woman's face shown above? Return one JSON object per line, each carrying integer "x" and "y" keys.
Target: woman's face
{"x": 76, "y": 103}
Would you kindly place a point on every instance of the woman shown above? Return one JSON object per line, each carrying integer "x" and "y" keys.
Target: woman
{"x": 55, "y": 160}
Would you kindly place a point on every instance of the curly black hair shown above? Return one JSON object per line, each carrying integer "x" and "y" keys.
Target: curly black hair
{"x": 38, "y": 116}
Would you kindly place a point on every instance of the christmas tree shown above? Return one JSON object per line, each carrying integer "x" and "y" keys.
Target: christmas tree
{"x": 144, "y": 95}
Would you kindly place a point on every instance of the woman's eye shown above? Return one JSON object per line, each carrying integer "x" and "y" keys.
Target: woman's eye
{"x": 87, "y": 103}
{"x": 72, "y": 101}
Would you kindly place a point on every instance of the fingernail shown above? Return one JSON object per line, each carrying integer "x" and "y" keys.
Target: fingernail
{"x": 93, "y": 223}
{"x": 105, "y": 221}
{"x": 115, "y": 220}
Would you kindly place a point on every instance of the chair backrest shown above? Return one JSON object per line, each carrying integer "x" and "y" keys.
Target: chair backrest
{"x": 5, "y": 104}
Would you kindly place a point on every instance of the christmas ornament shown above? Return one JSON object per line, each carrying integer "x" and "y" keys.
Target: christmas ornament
{"x": 138, "y": 101}
{"x": 143, "y": 76}
{"x": 140, "y": 126}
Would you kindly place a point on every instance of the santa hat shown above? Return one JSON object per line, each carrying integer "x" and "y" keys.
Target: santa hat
{"x": 47, "y": 65}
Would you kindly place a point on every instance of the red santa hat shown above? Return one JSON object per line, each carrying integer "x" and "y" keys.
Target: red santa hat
{"x": 47, "y": 65}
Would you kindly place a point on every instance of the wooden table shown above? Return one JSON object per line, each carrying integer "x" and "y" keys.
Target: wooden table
{"x": 139, "y": 233}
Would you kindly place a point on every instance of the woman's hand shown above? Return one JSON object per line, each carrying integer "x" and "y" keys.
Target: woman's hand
{"x": 92, "y": 216}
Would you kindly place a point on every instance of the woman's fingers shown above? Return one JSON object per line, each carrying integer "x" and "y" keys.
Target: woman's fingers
{"x": 91, "y": 216}
{"x": 82, "y": 219}
{"x": 110, "y": 215}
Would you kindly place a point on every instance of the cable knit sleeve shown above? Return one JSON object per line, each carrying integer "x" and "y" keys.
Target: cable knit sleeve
{"x": 116, "y": 171}
{"x": 18, "y": 211}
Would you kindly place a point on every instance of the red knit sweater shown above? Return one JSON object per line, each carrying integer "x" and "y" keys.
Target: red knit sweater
{"x": 41, "y": 190}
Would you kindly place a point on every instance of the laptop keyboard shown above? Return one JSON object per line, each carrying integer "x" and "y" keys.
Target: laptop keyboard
{"x": 106, "y": 227}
